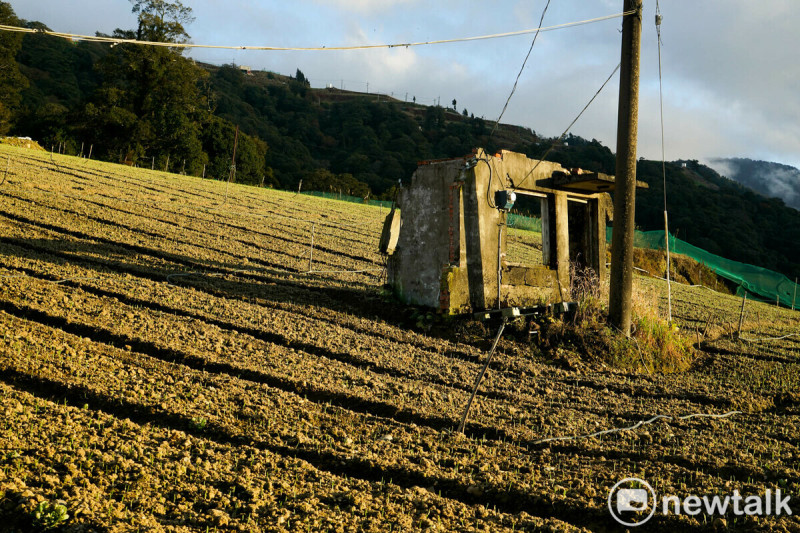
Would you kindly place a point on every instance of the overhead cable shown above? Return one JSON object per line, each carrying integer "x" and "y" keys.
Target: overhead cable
{"x": 117, "y": 40}
{"x": 522, "y": 68}
{"x": 516, "y": 185}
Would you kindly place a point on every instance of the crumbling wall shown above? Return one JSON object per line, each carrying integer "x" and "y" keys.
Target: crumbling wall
{"x": 452, "y": 242}
{"x": 427, "y": 241}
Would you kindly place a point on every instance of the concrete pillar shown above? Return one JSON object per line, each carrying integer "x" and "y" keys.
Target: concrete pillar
{"x": 555, "y": 233}
{"x": 598, "y": 214}
{"x": 561, "y": 254}
{"x": 473, "y": 197}
{"x": 547, "y": 231}
{"x": 480, "y": 227}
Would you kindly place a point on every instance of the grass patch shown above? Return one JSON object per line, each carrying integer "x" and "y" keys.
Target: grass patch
{"x": 655, "y": 344}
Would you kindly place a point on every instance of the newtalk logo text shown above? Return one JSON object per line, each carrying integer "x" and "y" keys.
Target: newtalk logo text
{"x": 632, "y": 502}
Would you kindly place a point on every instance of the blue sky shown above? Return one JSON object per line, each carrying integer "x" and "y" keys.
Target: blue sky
{"x": 730, "y": 67}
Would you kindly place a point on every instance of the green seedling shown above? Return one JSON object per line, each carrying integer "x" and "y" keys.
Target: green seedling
{"x": 50, "y": 515}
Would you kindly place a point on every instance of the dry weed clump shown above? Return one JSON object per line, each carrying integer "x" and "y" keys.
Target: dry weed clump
{"x": 655, "y": 344}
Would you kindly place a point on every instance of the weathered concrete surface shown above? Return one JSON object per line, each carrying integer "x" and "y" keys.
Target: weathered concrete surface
{"x": 452, "y": 242}
{"x": 427, "y": 240}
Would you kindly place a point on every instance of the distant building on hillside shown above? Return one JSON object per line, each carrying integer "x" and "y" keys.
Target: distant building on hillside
{"x": 246, "y": 69}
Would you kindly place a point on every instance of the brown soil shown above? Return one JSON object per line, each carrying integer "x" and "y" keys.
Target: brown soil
{"x": 168, "y": 363}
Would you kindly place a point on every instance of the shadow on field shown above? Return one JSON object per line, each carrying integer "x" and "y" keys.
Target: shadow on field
{"x": 270, "y": 285}
{"x": 504, "y": 498}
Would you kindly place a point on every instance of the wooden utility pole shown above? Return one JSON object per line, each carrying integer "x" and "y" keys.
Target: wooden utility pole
{"x": 619, "y": 305}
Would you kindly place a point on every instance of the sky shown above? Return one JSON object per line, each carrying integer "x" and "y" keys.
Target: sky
{"x": 730, "y": 72}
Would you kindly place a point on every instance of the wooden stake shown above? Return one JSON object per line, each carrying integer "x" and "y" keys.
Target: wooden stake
{"x": 166, "y": 167}
{"x": 8, "y": 163}
{"x": 311, "y": 250}
{"x": 741, "y": 314}
{"x": 669, "y": 285}
{"x": 90, "y": 150}
{"x": 232, "y": 175}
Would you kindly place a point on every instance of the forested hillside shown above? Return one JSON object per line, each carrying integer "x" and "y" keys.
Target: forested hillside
{"x": 150, "y": 106}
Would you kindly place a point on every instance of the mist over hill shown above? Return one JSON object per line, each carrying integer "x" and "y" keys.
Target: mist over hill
{"x": 770, "y": 179}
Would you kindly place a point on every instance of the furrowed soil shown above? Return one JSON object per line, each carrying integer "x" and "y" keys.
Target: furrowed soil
{"x": 176, "y": 355}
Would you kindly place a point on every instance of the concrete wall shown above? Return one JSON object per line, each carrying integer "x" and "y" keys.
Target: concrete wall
{"x": 447, "y": 253}
{"x": 424, "y": 246}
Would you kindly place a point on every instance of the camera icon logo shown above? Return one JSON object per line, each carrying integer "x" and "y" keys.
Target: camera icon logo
{"x": 631, "y": 500}
{"x": 631, "y": 495}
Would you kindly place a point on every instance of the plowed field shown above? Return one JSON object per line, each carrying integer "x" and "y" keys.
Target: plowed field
{"x": 175, "y": 355}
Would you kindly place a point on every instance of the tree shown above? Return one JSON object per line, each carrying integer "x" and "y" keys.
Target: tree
{"x": 12, "y": 82}
{"x": 162, "y": 20}
{"x": 157, "y": 86}
{"x": 454, "y": 104}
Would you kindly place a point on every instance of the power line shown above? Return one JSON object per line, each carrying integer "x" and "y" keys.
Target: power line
{"x": 516, "y": 81}
{"x": 516, "y": 185}
{"x": 116, "y": 40}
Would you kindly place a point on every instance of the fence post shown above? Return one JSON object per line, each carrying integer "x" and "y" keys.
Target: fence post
{"x": 741, "y": 314}
{"x": 311, "y": 250}
{"x": 8, "y": 164}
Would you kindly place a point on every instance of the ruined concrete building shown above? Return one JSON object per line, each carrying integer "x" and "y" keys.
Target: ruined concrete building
{"x": 447, "y": 241}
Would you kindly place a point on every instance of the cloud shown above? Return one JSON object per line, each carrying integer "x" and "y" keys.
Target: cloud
{"x": 366, "y": 7}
